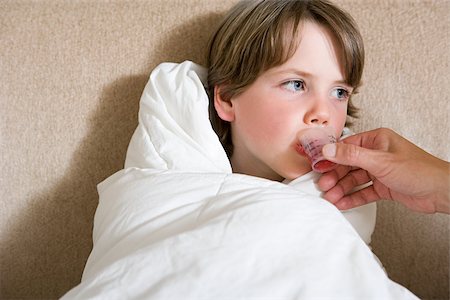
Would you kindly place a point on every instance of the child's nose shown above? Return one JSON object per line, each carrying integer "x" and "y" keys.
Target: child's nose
{"x": 318, "y": 113}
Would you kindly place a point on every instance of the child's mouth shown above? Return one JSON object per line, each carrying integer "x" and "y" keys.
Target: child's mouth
{"x": 310, "y": 146}
{"x": 300, "y": 150}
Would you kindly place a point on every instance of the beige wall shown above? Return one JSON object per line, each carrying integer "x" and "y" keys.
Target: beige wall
{"x": 71, "y": 76}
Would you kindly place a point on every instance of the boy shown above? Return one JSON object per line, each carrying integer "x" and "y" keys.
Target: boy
{"x": 276, "y": 68}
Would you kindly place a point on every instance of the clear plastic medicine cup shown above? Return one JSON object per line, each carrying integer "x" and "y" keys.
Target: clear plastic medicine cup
{"x": 312, "y": 141}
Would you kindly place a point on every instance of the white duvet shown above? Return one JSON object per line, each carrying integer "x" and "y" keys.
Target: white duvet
{"x": 176, "y": 223}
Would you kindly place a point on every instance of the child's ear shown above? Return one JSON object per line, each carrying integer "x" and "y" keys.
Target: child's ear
{"x": 224, "y": 108}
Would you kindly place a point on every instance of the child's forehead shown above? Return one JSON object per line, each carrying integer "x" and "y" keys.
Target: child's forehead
{"x": 307, "y": 29}
{"x": 312, "y": 44}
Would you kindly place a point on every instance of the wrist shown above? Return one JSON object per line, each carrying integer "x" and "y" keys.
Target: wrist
{"x": 442, "y": 203}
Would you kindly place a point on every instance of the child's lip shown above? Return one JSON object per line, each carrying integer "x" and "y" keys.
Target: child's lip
{"x": 299, "y": 149}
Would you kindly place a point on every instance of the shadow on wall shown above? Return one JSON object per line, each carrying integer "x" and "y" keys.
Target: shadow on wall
{"x": 188, "y": 41}
{"x": 54, "y": 235}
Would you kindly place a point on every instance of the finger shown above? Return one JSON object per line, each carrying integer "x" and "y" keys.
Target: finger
{"x": 353, "y": 155}
{"x": 346, "y": 185}
{"x": 343, "y": 170}
{"x": 354, "y": 180}
{"x": 359, "y": 198}
{"x": 331, "y": 178}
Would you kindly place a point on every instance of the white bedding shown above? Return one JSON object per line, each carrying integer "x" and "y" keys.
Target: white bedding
{"x": 176, "y": 223}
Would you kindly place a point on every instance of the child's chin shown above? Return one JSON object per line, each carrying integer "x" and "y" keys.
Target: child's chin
{"x": 297, "y": 173}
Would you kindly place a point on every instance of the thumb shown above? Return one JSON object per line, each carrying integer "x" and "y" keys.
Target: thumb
{"x": 353, "y": 155}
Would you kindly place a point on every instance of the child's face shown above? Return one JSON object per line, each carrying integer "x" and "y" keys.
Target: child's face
{"x": 306, "y": 91}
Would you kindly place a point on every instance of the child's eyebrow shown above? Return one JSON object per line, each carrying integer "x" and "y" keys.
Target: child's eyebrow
{"x": 292, "y": 71}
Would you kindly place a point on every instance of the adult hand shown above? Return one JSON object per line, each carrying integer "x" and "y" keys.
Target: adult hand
{"x": 399, "y": 170}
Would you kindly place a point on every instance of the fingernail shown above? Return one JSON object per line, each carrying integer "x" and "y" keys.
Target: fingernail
{"x": 329, "y": 150}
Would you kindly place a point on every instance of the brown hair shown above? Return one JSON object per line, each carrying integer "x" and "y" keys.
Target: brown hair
{"x": 257, "y": 35}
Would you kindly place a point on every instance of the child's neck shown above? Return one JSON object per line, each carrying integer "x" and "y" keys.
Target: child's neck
{"x": 248, "y": 168}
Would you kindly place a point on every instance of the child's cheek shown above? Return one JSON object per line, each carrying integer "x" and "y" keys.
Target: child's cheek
{"x": 272, "y": 127}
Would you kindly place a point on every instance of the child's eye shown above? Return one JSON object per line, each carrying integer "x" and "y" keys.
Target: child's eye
{"x": 294, "y": 85}
{"x": 340, "y": 93}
